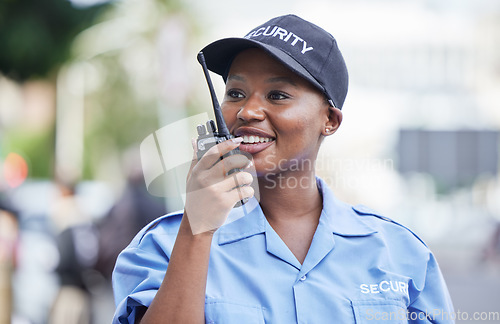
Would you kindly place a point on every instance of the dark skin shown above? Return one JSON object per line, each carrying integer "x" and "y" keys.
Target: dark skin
{"x": 290, "y": 118}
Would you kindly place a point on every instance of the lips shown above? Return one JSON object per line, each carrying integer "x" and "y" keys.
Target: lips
{"x": 254, "y": 140}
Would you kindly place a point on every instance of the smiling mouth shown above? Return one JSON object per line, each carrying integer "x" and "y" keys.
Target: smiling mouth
{"x": 254, "y": 144}
{"x": 254, "y": 139}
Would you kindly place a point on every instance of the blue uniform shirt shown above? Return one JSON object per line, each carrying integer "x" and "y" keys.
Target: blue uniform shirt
{"x": 360, "y": 268}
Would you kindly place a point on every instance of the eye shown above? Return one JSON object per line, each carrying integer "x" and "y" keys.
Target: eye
{"x": 234, "y": 94}
{"x": 277, "y": 95}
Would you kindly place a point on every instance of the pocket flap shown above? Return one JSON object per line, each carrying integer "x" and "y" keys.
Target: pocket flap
{"x": 224, "y": 312}
{"x": 379, "y": 311}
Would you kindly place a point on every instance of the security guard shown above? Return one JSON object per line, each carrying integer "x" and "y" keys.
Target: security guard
{"x": 298, "y": 255}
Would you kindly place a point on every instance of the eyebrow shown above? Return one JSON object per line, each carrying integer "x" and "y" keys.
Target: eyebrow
{"x": 235, "y": 77}
{"x": 282, "y": 79}
{"x": 271, "y": 80}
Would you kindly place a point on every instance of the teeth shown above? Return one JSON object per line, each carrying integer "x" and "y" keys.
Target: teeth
{"x": 255, "y": 139}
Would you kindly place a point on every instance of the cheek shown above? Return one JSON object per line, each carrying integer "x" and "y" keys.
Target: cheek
{"x": 229, "y": 115}
{"x": 306, "y": 117}
{"x": 304, "y": 127}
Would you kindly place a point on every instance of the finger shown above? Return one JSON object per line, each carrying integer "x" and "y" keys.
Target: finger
{"x": 217, "y": 151}
{"x": 241, "y": 193}
{"x": 226, "y": 184}
{"x": 231, "y": 162}
{"x": 238, "y": 179}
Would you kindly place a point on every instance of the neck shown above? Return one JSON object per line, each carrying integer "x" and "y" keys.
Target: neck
{"x": 290, "y": 196}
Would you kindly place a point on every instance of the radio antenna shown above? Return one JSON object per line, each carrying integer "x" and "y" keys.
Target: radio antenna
{"x": 221, "y": 124}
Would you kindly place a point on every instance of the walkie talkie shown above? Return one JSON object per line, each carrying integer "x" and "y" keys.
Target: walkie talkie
{"x": 209, "y": 135}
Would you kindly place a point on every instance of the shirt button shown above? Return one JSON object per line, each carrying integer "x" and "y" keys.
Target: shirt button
{"x": 303, "y": 278}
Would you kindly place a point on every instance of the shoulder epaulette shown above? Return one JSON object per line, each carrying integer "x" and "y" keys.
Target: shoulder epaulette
{"x": 363, "y": 210}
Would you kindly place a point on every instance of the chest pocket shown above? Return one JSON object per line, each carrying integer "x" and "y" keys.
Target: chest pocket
{"x": 224, "y": 312}
{"x": 379, "y": 311}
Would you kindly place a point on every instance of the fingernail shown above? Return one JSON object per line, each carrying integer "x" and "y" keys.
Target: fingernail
{"x": 249, "y": 165}
{"x": 237, "y": 140}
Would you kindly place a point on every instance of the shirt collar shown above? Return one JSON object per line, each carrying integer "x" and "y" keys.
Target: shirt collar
{"x": 245, "y": 221}
{"x": 339, "y": 217}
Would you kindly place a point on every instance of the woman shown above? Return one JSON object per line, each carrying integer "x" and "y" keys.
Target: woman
{"x": 301, "y": 256}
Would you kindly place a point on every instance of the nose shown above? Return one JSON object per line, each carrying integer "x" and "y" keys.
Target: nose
{"x": 251, "y": 110}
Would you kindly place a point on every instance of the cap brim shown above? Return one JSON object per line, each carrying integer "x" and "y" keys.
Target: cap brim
{"x": 220, "y": 54}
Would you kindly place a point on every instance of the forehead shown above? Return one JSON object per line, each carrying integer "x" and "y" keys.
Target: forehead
{"x": 256, "y": 62}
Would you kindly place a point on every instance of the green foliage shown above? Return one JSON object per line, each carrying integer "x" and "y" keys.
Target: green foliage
{"x": 36, "y": 36}
{"x": 37, "y": 148}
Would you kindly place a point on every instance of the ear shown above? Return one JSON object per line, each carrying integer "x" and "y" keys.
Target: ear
{"x": 333, "y": 122}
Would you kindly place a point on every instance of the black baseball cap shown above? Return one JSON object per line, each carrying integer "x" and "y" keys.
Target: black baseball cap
{"x": 303, "y": 47}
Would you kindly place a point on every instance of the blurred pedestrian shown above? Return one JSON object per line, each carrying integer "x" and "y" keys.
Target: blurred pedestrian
{"x": 132, "y": 211}
{"x": 9, "y": 236}
{"x": 76, "y": 240}
{"x": 491, "y": 252}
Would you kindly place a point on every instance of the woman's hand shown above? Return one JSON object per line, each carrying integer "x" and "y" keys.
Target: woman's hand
{"x": 211, "y": 192}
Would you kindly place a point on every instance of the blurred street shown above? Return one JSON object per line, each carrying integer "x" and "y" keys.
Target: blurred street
{"x": 84, "y": 84}
{"x": 473, "y": 285}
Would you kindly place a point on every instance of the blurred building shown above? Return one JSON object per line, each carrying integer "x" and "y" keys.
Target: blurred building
{"x": 454, "y": 158}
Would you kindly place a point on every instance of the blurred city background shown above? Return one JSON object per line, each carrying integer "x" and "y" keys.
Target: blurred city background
{"x": 84, "y": 82}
